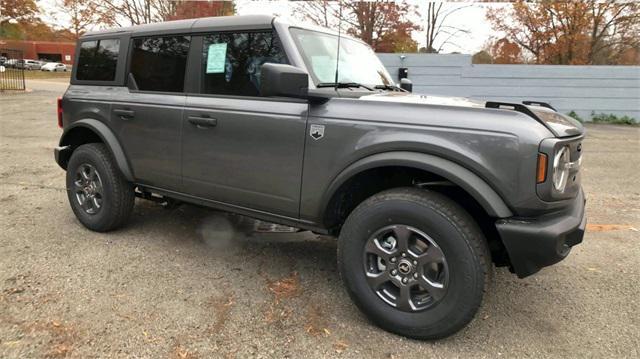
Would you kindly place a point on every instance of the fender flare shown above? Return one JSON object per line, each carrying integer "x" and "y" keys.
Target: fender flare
{"x": 108, "y": 138}
{"x": 467, "y": 180}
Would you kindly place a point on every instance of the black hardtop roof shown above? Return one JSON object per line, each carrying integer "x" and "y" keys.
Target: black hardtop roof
{"x": 244, "y": 22}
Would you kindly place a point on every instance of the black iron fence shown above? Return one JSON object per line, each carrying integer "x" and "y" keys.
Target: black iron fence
{"x": 11, "y": 70}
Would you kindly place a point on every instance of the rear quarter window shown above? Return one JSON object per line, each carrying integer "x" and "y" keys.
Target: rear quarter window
{"x": 98, "y": 60}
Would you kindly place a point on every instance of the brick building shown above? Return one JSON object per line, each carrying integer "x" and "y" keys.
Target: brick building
{"x": 43, "y": 50}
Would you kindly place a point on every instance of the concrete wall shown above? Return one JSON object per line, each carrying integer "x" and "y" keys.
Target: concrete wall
{"x": 602, "y": 89}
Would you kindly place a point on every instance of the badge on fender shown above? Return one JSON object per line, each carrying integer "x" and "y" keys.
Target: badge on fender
{"x": 316, "y": 131}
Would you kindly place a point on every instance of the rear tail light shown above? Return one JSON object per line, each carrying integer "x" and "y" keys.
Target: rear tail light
{"x": 60, "y": 112}
{"x": 541, "y": 175}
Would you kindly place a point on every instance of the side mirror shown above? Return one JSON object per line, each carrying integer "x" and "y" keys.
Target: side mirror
{"x": 283, "y": 80}
{"x": 406, "y": 84}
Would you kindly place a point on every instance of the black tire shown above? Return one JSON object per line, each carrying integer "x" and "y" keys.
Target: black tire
{"x": 455, "y": 233}
{"x": 117, "y": 197}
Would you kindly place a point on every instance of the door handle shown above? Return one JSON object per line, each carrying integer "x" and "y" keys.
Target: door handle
{"x": 124, "y": 114}
{"x": 202, "y": 121}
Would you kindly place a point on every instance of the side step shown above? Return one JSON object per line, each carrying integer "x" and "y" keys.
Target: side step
{"x": 268, "y": 227}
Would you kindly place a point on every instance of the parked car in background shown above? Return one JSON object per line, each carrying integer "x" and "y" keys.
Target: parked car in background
{"x": 2, "y": 60}
{"x": 11, "y": 63}
{"x": 54, "y": 67}
{"x": 29, "y": 64}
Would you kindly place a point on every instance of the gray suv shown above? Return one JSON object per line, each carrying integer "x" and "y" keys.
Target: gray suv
{"x": 249, "y": 115}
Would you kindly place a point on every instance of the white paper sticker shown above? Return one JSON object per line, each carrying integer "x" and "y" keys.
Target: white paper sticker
{"x": 216, "y": 57}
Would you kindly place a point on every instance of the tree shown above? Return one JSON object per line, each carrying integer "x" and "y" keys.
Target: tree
{"x": 320, "y": 12}
{"x": 19, "y": 20}
{"x": 79, "y": 16}
{"x": 572, "y": 32}
{"x": 436, "y": 27}
{"x": 18, "y": 11}
{"x": 136, "y": 12}
{"x": 381, "y": 24}
{"x": 385, "y": 25}
{"x": 399, "y": 40}
{"x": 195, "y": 9}
{"x": 504, "y": 51}
{"x": 482, "y": 57}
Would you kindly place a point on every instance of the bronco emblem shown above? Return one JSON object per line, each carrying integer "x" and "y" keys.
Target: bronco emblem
{"x": 316, "y": 131}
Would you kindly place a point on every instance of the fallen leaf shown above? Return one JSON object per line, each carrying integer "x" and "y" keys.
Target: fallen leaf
{"x": 11, "y": 343}
{"x": 287, "y": 287}
{"x": 340, "y": 346}
{"x": 607, "y": 227}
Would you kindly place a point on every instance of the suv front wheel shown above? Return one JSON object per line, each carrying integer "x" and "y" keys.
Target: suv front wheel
{"x": 101, "y": 198}
{"x": 414, "y": 262}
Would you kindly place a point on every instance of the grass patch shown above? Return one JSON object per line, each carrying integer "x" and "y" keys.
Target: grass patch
{"x": 575, "y": 116}
{"x": 605, "y": 118}
{"x": 37, "y": 74}
{"x": 612, "y": 119}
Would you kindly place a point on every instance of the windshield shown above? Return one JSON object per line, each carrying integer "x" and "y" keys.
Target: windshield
{"x": 358, "y": 63}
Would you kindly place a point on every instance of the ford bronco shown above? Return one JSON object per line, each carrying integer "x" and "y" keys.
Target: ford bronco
{"x": 298, "y": 126}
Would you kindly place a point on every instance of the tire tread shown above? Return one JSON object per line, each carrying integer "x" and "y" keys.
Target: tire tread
{"x": 122, "y": 195}
{"x": 457, "y": 216}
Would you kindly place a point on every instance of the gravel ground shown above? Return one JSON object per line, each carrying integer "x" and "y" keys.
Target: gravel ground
{"x": 194, "y": 283}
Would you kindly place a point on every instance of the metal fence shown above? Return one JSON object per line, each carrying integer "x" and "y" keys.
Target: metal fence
{"x": 583, "y": 89}
{"x": 11, "y": 75}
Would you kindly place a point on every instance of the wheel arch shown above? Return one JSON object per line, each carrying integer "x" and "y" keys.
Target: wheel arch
{"x": 91, "y": 131}
{"x": 473, "y": 185}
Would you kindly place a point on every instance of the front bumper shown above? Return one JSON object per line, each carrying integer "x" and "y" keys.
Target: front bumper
{"x": 534, "y": 243}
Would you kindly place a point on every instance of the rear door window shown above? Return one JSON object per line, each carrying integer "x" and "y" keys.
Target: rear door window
{"x": 231, "y": 61}
{"x": 98, "y": 60}
{"x": 159, "y": 63}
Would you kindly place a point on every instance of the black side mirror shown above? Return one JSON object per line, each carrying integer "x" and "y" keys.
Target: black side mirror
{"x": 406, "y": 84}
{"x": 283, "y": 80}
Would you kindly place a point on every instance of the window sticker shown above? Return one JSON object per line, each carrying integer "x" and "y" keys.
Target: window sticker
{"x": 216, "y": 58}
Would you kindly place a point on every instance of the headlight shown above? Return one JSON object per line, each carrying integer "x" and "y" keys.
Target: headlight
{"x": 561, "y": 165}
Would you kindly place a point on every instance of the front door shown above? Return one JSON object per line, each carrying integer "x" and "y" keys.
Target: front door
{"x": 239, "y": 148}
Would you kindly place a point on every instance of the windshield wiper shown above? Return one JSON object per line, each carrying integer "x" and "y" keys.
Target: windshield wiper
{"x": 390, "y": 87}
{"x": 343, "y": 85}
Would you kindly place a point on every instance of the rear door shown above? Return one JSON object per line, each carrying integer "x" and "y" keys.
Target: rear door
{"x": 239, "y": 148}
{"x": 148, "y": 114}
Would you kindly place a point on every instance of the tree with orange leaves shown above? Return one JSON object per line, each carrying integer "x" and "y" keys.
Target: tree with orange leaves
{"x": 385, "y": 25}
{"x": 187, "y": 9}
{"x": 504, "y": 51}
{"x": 571, "y": 32}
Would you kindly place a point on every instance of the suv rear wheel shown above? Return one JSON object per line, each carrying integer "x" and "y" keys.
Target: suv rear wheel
{"x": 101, "y": 198}
{"x": 414, "y": 262}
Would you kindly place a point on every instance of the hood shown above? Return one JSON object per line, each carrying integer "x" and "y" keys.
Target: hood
{"x": 404, "y": 97}
{"x": 559, "y": 124}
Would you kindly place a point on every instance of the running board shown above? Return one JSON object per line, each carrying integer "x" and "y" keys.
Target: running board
{"x": 268, "y": 227}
